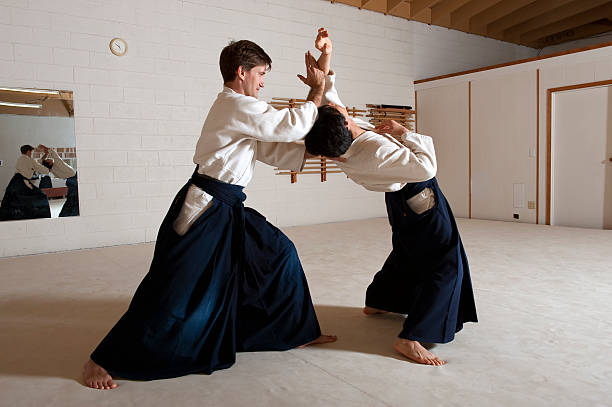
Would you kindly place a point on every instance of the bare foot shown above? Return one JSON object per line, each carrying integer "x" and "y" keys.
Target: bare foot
{"x": 372, "y": 311}
{"x": 96, "y": 377}
{"x": 413, "y": 350}
{"x": 320, "y": 339}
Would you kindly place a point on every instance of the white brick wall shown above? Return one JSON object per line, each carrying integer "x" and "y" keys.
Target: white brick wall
{"x": 138, "y": 117}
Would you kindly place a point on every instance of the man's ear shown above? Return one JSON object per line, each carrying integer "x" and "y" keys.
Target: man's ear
{"x": 241, "y": 72}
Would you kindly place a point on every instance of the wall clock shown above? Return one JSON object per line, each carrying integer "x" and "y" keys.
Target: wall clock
{"x": 118, "y": 46}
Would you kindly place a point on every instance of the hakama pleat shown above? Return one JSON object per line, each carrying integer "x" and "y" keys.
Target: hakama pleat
{"x": 426, "y": 276}
{"x": 23, "y": 201}
{"x": 232, "y": 283}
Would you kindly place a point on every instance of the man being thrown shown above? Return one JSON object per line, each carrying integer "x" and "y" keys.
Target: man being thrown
{"x": 61, "y": 169}
{"x": 426, "y": 276}
{"x": 223, "y": 279}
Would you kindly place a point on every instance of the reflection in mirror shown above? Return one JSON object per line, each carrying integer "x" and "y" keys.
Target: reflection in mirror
{"x": 38, "y": 161}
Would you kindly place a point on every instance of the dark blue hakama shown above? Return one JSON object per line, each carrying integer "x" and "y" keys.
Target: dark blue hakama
{"x": 71, "y": 206}
{"x": 45, "y": 182}
{"x": 232, "y": 283}
{"x": 23, "y": 201}
{"x": 426, "y": 276}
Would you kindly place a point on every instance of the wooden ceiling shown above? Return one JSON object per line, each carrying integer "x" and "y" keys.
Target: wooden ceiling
{"x": 59, "y": 103}
{"x": 534, "y": 23}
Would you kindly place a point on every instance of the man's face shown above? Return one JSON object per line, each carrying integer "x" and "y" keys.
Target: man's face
{"x": 254, "y": 80}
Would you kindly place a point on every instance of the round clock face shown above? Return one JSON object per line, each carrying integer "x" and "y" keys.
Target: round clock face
{"x": 118, "y": 46}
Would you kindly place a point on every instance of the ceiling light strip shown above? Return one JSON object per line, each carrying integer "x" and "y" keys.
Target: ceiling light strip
{"x": 37, "y": 91}
{"x": 11, "y": 104}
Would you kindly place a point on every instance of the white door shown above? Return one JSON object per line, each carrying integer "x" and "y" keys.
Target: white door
{"x": 581, "y": 190}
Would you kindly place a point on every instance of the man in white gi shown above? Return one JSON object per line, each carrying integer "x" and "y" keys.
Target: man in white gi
{"x": 426, "y": 276}
{"x": 223, "y": 279}
{"x": 61, "y": 169}
{"x": 22, "y": 199}
{"x": 55, "y": 164}
{"x": 26, "y": 165}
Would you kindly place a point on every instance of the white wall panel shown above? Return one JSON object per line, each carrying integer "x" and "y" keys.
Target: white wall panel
{"x": 503, "y": 132}
{"x": 565, "y": 70}
{"x": 442, "y": 113}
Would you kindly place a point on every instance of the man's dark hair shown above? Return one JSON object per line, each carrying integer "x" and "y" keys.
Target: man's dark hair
{"x": 243, "y": 53}
{"x": 47, "y": 163}
{"x": 25, "y": 148}
{"x": 329, "y": 136}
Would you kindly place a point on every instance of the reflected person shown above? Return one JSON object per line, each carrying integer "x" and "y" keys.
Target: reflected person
{"x": 22, "y": 199}
{"x": 60, "y": 169}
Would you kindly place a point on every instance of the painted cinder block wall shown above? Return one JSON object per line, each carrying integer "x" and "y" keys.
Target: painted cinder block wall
{"x": 138, "y": 117}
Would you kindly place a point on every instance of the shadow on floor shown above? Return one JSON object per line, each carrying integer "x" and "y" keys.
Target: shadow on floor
{"x": 357, "y": 332}
{"x": 54, "y": 337}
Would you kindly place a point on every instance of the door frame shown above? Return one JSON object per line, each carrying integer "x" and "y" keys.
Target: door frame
{"x": 549, "y": 94}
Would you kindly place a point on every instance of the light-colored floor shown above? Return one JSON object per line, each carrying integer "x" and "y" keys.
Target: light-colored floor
{"x": 544, "y": 338}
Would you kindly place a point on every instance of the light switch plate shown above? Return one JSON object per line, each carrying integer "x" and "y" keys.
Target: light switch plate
{"x": 518, "y": 195}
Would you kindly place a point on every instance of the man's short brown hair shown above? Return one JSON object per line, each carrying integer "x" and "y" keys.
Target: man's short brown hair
{"x": 25, "y": 148}
{"x": 243, "y": 53}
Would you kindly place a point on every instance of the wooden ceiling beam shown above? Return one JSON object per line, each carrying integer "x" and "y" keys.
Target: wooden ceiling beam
{"x": 577, "y": 20}
{"x": 392, "y": 5}
{"x": 440, "y": 13}
{"x": 68, "y": 107}
{"x": 526, "y": 22}
{"x": 478, "y": 23}
{"x": 537, "y": 8}
{"x": 420, "y": 6}
{"x": 364, "y": 3}
{"x": 568, "y": 10}
{"x": 460, "y": 18}
{"x": 573, "y": 34}
{"x": 354, "y": 3}
{"x": 63, "y": 94}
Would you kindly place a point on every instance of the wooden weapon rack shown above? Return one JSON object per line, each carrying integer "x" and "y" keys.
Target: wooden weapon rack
{"x": 317, "y": 165}
{"x": 404, "y": 115}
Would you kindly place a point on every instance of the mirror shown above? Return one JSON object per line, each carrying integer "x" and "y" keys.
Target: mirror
{"x": 38, "y": 158}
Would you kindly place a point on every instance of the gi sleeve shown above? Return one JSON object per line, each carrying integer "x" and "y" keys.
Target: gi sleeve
{"x": 262, "y": 122}
{"x": 286, "y": 156}
{"x": 423, "y": 148}
{"x": 30, "y": 165}
{"x": 330, "y": 94}
{"x": 398, "y": 163}
{"x": 60, "y": 167}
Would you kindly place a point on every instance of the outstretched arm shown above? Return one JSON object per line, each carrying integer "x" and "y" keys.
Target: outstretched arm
{"x": 392, "y": 128}
{"x": 315, "y": 78}
{"x": 419, "y": 154}
{"x": 323, "y": 43}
